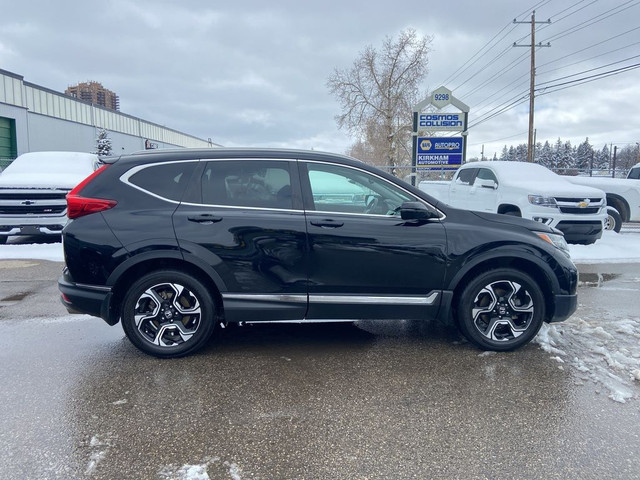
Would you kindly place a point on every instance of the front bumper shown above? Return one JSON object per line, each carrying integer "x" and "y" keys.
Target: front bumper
{"x": 85, "y": 299}
{"x": 565, "y": 306}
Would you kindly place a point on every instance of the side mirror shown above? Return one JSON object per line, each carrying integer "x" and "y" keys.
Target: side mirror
{"x": 416, "y": 211}
{"x": 486, "y": 183}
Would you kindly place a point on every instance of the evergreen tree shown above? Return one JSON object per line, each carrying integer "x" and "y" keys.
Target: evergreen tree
{"x": 584, "y": 156}
{"x": 103, "y": 144}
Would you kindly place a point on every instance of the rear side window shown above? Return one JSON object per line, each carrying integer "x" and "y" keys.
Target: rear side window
{"x": 247, "y": 183}
{"x": 634, "y": 173}
{"x": 465, "y": 177}
{"x": 166, "y": 180}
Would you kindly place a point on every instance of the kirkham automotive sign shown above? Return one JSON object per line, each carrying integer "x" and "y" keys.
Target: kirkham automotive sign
{"x": 439, "y": 152}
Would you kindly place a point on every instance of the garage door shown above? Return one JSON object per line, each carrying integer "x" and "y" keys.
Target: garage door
{"x": 7, "y": 138}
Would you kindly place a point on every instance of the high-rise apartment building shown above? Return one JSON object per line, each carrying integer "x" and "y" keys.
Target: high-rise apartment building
{"x": 95, "y": 93}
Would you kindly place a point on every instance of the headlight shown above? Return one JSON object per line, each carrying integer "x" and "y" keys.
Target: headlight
{"x": 542, "y": 201}
{"x": 556, "y": 240}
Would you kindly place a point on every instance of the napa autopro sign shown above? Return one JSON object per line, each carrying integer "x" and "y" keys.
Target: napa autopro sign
{"x": 440, "y": 152}
{"x": 453, "y": 122}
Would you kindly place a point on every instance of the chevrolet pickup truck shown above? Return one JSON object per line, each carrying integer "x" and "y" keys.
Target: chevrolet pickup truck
{"x": 525, "y": 190}
{"x": 33, "y": 191}
{"x": 623, "y": 196}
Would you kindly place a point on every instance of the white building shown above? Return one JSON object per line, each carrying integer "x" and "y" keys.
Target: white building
{"x": 35, "y": 118}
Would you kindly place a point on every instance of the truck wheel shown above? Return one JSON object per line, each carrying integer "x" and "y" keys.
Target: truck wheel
{"x": 168, "y": 314}
{"x": 501, "y": 309}
{"x": 613, "y": 220}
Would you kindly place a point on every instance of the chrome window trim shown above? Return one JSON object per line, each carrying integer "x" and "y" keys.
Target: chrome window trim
{"x": 124, "y": 178}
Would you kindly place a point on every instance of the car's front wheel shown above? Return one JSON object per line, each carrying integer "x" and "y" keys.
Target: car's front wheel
{"x": 613, "y": 220}
{"x": 168, "y": 314}
{"x": 501, "y": 309}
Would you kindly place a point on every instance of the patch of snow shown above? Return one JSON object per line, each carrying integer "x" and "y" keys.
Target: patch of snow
{"x": 119, "y": 402}
{"x": 602, "y": 350}
{"x": 46, "y": 251}
{"x": 99, "y": 449}
{"x": 611, "y": 248}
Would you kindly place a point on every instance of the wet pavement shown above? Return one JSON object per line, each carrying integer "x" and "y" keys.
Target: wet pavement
{"x": 388, "y": 400}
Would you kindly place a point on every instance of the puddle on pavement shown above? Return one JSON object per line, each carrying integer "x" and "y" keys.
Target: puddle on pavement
{"x": 596, "y": 279}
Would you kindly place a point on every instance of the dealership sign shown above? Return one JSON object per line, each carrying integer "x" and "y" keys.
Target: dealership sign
{"x": 442, "y": 153}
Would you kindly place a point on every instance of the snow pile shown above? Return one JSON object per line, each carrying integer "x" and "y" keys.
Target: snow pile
{"x": 611, "y": 248}
{"x": 45, "y": 251}
{"x": 201, "y": 471}
{"x": 605, "y": 351}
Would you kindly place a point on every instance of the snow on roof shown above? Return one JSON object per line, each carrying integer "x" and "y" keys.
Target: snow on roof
{"x": 58, "y": 162}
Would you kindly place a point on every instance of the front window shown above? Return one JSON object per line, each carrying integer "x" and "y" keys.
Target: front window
{"x": 348, "y": 190}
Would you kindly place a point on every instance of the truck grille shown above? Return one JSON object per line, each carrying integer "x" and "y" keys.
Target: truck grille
{"x": 31, "y": 209}
{"x": 580, "y": 206}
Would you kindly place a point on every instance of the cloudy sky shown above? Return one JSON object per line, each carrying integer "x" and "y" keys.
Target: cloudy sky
{"x": 253, "y": 73}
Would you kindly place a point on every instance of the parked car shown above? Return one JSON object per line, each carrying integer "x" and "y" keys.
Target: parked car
{"x": 623, "y": 196}
{"x": 525, "y": 190}
{"x": 33, "y": 189}
{"x": 173, "y": 243}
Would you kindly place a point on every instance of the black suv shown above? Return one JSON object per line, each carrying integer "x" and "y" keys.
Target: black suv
{"x": 174, "y": 243}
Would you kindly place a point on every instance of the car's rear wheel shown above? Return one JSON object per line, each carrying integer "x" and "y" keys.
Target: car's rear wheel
{"x": 501, "y": 309}
{"x": 3, "y": 239}
{"x": 168, "y": 314}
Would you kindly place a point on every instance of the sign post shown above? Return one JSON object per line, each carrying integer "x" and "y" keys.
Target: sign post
{"x": 434, "y": 152}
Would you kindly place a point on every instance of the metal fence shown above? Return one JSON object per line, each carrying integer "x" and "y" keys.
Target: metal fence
{"x": 406, "y": 172}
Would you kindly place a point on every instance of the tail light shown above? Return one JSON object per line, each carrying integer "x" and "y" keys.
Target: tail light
{"x": 78, "y": 206}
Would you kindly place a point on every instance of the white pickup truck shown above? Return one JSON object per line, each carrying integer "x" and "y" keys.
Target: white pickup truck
{"x": 525, "y": 190}
{"x": 33, "y": 191}
{"x": 623, "y": 196}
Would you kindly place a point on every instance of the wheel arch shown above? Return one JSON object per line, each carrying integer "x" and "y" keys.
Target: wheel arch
{"x": 541, "y": 274}
{"x": 509, "y": 207}
{"x": 620, "y": 204}
{"x": 129, "y": 271}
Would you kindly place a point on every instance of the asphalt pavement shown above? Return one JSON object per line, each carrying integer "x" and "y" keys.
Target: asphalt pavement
{"x": 386, "y": 400}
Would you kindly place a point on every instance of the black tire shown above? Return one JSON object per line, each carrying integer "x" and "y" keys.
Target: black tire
{"x": 509, "y": 309}
{"x": 613, "y": 220}
{"x": 3, "y": 239}
{"x": 513, "y": 213}
{"x": 168, "y": 329}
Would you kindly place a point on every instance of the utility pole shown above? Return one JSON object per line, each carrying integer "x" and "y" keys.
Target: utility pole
{"x": 532, "y": 86}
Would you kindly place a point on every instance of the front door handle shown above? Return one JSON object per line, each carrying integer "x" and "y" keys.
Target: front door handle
{"x": 204, "y": 218}
{"x": 327, "y": 223}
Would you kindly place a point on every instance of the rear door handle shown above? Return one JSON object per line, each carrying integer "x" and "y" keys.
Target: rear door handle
{"x": 326, "y": 223}
{"x": 204, "y": 218}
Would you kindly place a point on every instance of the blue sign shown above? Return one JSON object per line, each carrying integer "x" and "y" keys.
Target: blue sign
{"x": 439, "y": 153}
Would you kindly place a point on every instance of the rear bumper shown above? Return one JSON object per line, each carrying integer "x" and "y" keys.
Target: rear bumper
{"x": 85, "y": 299}
{"x": 565, "y": 305}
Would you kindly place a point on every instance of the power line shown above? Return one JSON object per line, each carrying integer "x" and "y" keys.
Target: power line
{"x": 591, "y": 78}
{"x": 592, "y": 21}
{"x": 590, "y": 70}
{"x": 592, "y": 46}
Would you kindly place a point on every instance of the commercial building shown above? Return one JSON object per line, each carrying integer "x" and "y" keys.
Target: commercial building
{"x": 34, "y": 118}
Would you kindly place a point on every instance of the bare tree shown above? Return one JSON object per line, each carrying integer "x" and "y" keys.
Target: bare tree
{"x": 377, "y": 95}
